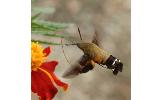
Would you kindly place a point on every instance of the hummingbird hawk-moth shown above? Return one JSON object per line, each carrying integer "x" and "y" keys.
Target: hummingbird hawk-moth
{"x": 93, "y": 54}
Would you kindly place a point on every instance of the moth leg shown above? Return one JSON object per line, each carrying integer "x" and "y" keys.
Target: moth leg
{"x": 88, "y": 66}
{"x": 84, "y": 59}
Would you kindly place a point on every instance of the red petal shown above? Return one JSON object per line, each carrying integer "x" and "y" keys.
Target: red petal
{"x": 49, "y": 66}
{"x": 47, "y": 51}
{"x": 42, "y": 85}
{"x": 59, "y": 82}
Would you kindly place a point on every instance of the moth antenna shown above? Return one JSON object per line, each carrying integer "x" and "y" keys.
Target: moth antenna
{"x": 64, "y": 52}
{"x": 80, "y": 34}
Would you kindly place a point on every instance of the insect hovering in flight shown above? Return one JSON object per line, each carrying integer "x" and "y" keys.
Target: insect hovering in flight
{"x": 93, "y": 54}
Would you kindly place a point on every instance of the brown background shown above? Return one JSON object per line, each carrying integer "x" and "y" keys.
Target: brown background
{"x": 111, "y": 19}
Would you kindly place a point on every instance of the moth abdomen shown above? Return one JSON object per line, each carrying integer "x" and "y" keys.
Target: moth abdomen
{"x": 115, "y": 64}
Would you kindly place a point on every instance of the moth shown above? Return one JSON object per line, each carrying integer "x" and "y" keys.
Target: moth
{"x": 93, "y": 54}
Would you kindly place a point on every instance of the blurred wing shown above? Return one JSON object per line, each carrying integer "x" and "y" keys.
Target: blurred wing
{"x": 95, "y": 39}
{"x": 75, "y": 69}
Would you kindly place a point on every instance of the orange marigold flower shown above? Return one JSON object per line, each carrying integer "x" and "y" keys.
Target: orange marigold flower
{"x": 43, "y": 79}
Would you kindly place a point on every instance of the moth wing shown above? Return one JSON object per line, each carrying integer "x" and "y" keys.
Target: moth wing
{"x": 73, "y": 71}
{"x": 96, "y": 39}
{"x": 76, "y": 68}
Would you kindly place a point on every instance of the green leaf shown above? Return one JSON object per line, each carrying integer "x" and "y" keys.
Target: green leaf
{"x": 39, "y": 25}
{"x": 44, "y": 10}
{"x": 35, "y": 16}
{"x": 48, "y": 34}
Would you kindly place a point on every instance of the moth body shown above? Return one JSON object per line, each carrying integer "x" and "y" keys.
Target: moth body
{"x": 95, "y": 53}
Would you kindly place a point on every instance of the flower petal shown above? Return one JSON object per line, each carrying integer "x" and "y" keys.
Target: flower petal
{"x": 47, "y": 51}
{"x": 42, "y": 85}
{"x": 59, "y": 82}
{"x": 49, "y": 66}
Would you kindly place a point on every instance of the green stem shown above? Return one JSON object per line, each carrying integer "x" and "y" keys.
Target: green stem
{"x": 45, "y": 42}
{"x": 47, "y": 34}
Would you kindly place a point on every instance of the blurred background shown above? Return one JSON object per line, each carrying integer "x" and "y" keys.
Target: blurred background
{"x": 111, "y": 19}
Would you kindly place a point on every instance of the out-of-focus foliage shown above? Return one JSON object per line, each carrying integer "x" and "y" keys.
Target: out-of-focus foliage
{"x": 40, "y": 26}
{"x": 45, "y": 10}
{"x": 43, "y": 27}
